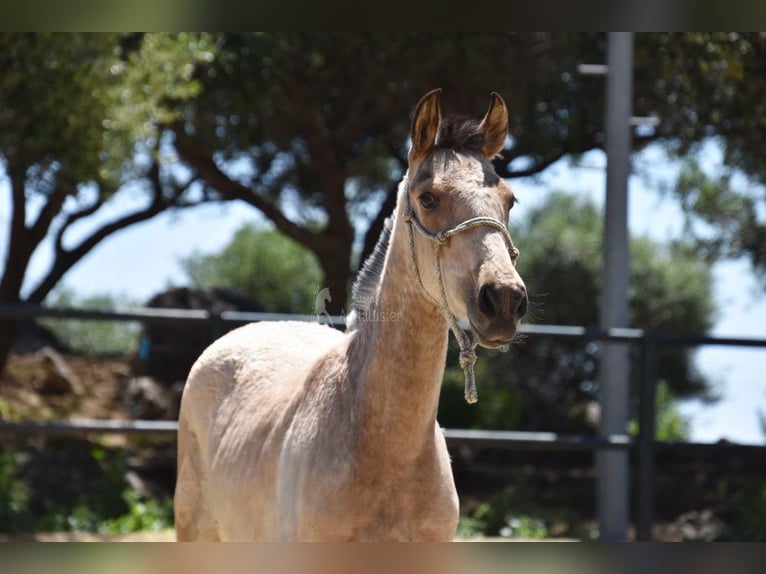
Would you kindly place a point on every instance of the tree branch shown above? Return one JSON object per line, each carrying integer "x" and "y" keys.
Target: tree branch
{"x": 206, "y": 168}
{"x": 19, "y": 209}
{"x": 19, "y": 247}
{"x": 74, "y": 217}
{"x": 540, "y": 164}
{"x": 65, "y": 259}
{"x": 52, "y": 207}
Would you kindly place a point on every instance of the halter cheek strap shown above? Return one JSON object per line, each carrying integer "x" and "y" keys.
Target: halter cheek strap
{"x": 465, "y": 340}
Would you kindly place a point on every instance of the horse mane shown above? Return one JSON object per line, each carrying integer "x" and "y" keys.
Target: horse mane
{"x": 369, "y": 276}
{"x": 461, "y": 134}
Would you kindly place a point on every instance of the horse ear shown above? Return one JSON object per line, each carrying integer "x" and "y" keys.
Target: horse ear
{"x": 425, "y": 124}
{"x": 495, "y": 126}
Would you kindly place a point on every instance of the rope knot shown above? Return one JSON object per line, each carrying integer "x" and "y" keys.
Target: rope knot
{"x": 467, "y": 358}
{"x": 467, "y": 361}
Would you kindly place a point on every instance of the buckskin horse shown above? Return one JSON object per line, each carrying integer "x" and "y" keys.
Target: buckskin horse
{"x": 295, "y": 431}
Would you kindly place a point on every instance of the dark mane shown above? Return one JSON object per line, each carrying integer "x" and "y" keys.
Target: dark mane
{"x": 369, "y": 276}
{"x": 461, "y": 134}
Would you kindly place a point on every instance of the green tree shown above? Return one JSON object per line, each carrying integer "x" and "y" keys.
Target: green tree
{"x": 263, "y": 264}
{"x": 723, "y": 218}
{"x": 547, "y": 384}
{"x": 81, "y": 123}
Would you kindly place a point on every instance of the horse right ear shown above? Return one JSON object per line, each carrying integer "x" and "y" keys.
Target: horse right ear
{"x": 425, "y": 124}
{"x": 495, "y": 127}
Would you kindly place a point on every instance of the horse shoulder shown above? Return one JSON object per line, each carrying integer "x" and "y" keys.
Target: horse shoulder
{"x": 238, "y": 403}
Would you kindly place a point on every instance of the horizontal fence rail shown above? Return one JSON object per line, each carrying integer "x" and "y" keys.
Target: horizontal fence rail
{"x": 156, "y": 315}
{"x": 503, "y": 440}
{"x": 644, "y": 446}
{"x": 152, "y": 315}
{"x": 80, "y": 427}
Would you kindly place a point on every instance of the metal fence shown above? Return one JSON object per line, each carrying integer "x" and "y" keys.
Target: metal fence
{"x": 644, "y": 446}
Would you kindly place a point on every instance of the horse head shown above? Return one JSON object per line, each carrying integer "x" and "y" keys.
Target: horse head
{"x": 463, "y": 252}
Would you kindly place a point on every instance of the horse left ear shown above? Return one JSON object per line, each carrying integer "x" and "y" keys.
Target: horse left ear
{"x": 495, "y": 126}
{"x": 425, "y": 125}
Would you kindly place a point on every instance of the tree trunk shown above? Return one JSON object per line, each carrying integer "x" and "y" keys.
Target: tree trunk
{"x": 10, "y": 290}
{"x": 7, "y": 326}
{"x": 335, "y": 262}
{"x": 7, "y": 337}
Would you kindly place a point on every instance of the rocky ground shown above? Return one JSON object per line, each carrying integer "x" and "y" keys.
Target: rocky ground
{"x": 34, "y": 386}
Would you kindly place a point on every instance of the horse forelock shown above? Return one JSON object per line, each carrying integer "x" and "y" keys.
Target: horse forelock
{"x": 461, "y": 134}
{"x": 369, "y": 276}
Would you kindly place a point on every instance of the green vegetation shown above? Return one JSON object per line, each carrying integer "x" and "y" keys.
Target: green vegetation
{"x": 92, "y": 337}
{"x": 105, "y": 505}
{"x": 264, "y": 265}
{"x": 512, "y": 513}
{"x": 748, "y": 520}
{"x": 14, "y": 495}
{"x": 670, "y": 424}
{"x": 723, "y": 214}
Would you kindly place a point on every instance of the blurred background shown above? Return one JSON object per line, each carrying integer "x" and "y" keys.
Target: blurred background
{"x": 246, "y": 172}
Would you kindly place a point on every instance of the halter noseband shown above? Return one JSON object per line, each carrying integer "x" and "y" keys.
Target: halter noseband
{"x": 465, "y": 340}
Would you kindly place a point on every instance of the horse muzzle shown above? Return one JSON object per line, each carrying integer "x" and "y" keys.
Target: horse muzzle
{"x": 497, "y": 312}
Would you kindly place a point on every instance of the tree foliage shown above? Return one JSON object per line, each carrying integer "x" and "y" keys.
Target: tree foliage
{"x": 82, "y": 118}
{"x": 706, "y": 84}
{"x": 709, "y": 86}
{"x": 724, "y": 214}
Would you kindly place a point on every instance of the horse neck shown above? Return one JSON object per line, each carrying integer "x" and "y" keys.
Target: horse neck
{"x": 402, "y": 346}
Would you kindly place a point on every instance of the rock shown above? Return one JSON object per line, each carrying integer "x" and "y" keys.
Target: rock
{"x": 149, "y": 399}
{"x": 56, "y": 376}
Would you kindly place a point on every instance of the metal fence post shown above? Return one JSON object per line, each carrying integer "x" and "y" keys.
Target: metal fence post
{"x": 215, "y": 326}
{"x": 613, "y": 467}
{"x": 647, "y": 423}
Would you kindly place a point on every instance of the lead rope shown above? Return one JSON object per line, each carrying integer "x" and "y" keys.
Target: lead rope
{"x": 466, "y": 341}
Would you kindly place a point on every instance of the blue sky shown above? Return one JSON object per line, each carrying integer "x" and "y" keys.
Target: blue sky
{"x": 142, "y": 260}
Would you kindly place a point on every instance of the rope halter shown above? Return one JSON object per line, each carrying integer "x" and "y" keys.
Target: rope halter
{"x": 465, "y": 340}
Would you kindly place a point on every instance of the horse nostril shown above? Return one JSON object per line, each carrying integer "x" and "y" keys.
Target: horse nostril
{"x": 521, "y": 307}
{"x": 488, "y": 300}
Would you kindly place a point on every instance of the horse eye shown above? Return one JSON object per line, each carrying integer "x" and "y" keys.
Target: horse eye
{"x": 428, "y": 201}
